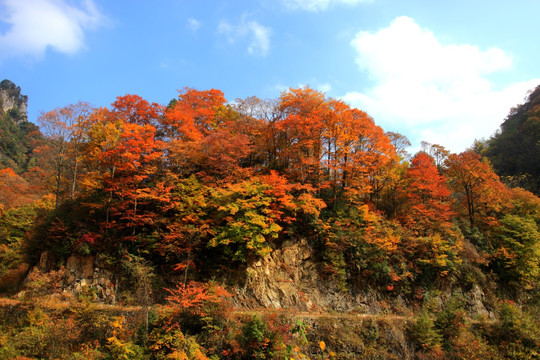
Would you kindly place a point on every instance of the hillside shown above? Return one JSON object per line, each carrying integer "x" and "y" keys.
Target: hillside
{"x": 514, "y": 151}
{"x": 18, "y": 136}
{"x": 226, "y": 223}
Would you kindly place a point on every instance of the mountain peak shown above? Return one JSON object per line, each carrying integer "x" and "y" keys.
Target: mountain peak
{"x": 11, "y": 99}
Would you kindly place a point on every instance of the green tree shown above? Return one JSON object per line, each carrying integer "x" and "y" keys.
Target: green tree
{"x": 517, "y": 251}
{"x": 18, "y": 136}
{"x": 515, "y": 149}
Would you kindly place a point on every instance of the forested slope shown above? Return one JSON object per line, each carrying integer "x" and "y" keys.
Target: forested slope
{"x": 514, "y": 151}
{"x": 18, "y": 136}
{"x": 196, "y": 196}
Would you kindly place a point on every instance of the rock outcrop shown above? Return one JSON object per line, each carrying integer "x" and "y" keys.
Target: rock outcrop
{"x": 288, "y": 278}
{"x": 84, "y": 275}
{"x": 12, "y": 99}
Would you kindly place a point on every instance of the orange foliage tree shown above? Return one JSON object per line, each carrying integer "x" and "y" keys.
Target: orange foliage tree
{"x": 476, "y": 187}
{"x": 332, "y": 146}
{"x": 123, "y": 156}
{"x": 305, "y": 110}
{"x": 205, "y": 136}
{"x": 427, "y": 198}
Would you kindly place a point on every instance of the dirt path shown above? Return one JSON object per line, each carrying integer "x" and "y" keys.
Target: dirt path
{"x": 55, "y": 304}
{"x": 318, "y": 315}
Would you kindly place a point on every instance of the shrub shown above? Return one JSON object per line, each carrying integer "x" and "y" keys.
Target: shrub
{"x": 424, "y": 333}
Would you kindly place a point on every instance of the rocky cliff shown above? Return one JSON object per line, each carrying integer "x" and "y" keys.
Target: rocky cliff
{"x": 288, "y": 278}
{"x": 18, "y": 136}
{"x": 12, "y": 99}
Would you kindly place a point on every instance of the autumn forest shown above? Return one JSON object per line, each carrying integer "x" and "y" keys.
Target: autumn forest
{"x": 181, "y": 201}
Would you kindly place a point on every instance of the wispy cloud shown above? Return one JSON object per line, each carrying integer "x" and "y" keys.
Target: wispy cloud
{"x": 35, "y": 25}
{"x": 193, "y": 24}
{"x": 318, "y": 5}
{"x": 258, "y": 35}
{"x": 322, "y": 87}
{"x": 432, "y": 91}
{"x": 325, "y": 88}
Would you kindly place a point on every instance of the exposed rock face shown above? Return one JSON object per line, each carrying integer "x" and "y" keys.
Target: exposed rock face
{"x": 476, "y": 303}
{"x": 280, "y": 280}
{"x": 288, "y": 279}
{"x": 79, "y": 267}
{"x": 46, "y": 262}
{"x": 84, "y": 273}
{"x": 11, "y": 98}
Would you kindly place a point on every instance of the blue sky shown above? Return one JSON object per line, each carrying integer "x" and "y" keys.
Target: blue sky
{"x": 446, "y": 72}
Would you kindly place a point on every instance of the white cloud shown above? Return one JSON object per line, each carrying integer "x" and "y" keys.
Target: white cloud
{"x": 35, "y": 25}
{"x": 193, "y": 24}
{"x": 432, "y": 91}
{"x": 325, "y": 88}
{"x": 279, "y": 88}
{"x": 318, "y": 5}
{"x": 258, "y": 35}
